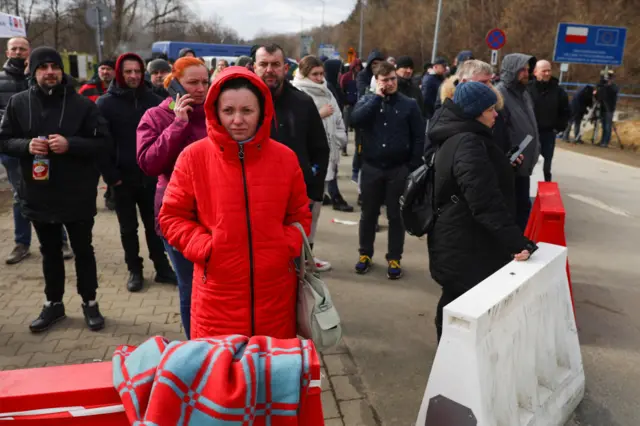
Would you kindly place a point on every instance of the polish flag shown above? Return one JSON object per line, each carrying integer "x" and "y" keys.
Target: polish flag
{"x": 577, "y": 35}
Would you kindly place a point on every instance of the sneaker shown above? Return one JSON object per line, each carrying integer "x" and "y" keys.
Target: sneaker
{"x": 135, "y": 281}
{"x": 394, "y": 272}
{"x": 166, "y": 275}
{"x": 67, "y": 253}
{"x": 51, "y": 314}
{"x": 321, "y": 265}
{"x": 364, "y": 264}
{"x": 18, "y": 254}
{"x": 92, "y": 316}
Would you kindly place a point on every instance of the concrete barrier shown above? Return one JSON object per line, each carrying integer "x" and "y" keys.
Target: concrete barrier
{"x": 536, "y": 176}
{"x": 509, "y": 353}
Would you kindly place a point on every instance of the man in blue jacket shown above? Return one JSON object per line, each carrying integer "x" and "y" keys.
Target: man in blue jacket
{"x": 431, "y": 82}
{"x": 393, "y": 143}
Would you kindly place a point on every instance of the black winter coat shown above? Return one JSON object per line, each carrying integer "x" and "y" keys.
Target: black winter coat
{"x": 407, "y": 87}
{"x": 298, "y": 125}
{"x": 392, "y": 129}
{"x": 477, "y": 235}
{"x": 123, "y": 108}
{"x": 12, "y": 81}
{"x": 70, "y": 193}
{"x": 551, "y": 105}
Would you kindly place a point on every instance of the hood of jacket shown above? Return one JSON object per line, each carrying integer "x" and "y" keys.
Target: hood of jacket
{"x": 15, "y": 68}
{"x": 449, "y": 122}
{"x": 215, "y": 130}
{"x": 332, "y": 68}
{"x": 375, "y": 54}
{"x": 511, "y": 66}
{"x": 354, "y": 63}
{"x": 119, "y": 80}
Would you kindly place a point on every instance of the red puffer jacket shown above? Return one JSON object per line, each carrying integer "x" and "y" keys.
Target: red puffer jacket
{"x": 229, "y": 208}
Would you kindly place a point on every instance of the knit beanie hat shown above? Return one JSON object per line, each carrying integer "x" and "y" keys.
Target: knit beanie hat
{"x": 43, "y": 55}
{"x": 404, "y": 62}
{"x": 474, "y": 98}
{"x": 158, "y": 65}
{"x": 108, "y": 63}
{"x": 186, "y": 50}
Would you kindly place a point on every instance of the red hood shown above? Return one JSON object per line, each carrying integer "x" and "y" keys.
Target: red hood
{"x": 215, "y": 130}
{"x": 119, "y": 62}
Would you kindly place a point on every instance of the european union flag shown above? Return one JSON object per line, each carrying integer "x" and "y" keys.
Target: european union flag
{"x": 607, "y": 37}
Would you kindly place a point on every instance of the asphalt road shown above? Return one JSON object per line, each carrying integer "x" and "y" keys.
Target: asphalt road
{"x": 389, "y": 325}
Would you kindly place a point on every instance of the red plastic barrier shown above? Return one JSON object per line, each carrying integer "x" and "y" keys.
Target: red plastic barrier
{"x": 90, "y": 386}
{"x": 547, "y": 219}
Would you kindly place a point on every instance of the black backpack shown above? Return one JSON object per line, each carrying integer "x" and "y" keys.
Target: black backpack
{"x": 418, "y": 206}
{"x": 418, "y": 198}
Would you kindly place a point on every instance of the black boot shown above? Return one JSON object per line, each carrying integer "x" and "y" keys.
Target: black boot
{"x": 92, "y": 316}
{"x": 326, "y": 200}
{"x": 341, "y": 205}
{"x": 51, "y": 314}
{"x": 165, "y": 275}
{"x": 135, "y": 281}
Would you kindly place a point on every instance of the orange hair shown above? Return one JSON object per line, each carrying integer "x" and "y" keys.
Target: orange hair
{"x": 180, "y": 66}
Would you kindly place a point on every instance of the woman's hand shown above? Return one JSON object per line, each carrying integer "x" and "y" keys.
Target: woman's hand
{"x": 326, "y": 111}
{"x": 522, "y": 256}
{"x": 183, "y": 107}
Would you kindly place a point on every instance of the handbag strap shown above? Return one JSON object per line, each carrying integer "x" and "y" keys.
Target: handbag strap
{"x": 306, "y": 253}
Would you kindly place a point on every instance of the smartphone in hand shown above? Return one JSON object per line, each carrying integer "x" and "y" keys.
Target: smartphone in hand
{"x": 175, "y": 89}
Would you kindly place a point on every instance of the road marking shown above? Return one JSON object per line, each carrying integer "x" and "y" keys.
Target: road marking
{"x": 599, "y": 204}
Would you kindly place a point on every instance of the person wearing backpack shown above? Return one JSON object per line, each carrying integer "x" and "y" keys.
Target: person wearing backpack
{"x": 475, "y": 231}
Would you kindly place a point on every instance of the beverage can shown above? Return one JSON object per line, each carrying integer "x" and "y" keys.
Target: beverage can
{"x": 40, "y": 168}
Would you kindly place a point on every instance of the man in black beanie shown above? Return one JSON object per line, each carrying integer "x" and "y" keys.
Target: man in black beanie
{"x": 404, "y": 72}
{"x": 58, "y": 136}
{"x": 158, "y": 69}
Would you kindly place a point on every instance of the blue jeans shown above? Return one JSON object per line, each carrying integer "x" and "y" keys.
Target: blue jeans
{"x": 184, "y": 272}
{"x": 21, "y": 225}
{"x": 607, "y": 124}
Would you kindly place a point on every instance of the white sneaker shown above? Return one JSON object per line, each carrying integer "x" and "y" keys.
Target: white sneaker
{"x": 321, "y": 265}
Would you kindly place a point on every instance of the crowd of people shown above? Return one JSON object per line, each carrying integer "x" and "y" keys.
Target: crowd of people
{"x": 222, "y": 164}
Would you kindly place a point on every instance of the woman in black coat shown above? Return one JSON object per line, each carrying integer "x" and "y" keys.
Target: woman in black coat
{"x": 475, "y": 233}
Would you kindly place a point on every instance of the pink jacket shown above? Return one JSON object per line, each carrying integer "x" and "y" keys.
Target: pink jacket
{"x": 161, "y": 138}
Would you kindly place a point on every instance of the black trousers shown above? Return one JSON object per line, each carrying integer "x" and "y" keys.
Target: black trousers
{"x": 547, "y": 147}
{"x": 378, "y": 187}
{"x": 448, "y": 296}
{"x": 80, "y": 236}
{"x": 523, "y": 201}
{"x": 129, "y": 196}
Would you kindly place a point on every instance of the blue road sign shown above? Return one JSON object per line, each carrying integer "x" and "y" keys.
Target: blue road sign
{"x": 590, "y": 44}
{"x": 496, "y": 39}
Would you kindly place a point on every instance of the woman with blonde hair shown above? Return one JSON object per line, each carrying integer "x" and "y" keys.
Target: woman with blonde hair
{"x": 163, "y": 133}
{"x": 310, "y": 79}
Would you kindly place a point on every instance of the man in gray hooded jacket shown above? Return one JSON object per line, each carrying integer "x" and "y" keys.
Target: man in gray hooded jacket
{"x": 518, "y": 121}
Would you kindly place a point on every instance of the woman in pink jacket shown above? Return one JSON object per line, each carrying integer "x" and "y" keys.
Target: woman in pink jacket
{"x": 163, "y": 133}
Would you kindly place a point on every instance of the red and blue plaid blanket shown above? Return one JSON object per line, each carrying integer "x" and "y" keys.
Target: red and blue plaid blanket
{"x": 222, "y": 381}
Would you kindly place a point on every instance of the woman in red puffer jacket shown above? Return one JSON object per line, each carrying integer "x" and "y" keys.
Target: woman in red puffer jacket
{"x": 229, "y": 208}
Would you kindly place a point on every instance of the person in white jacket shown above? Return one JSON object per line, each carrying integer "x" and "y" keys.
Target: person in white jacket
{"x": 309, "y": 78}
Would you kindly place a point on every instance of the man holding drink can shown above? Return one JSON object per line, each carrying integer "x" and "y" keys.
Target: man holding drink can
{"x": 58, "y": 136}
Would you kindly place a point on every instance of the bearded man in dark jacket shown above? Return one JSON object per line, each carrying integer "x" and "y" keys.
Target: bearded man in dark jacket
{"x": 58, "y": 136}
{"x": 127, "y": 99}
{"x": 404, "y": 71}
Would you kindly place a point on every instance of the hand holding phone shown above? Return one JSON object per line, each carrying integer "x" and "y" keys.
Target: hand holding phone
{"x": 520, "y": 149}
{"x": 175, "y": 89}
{"x": 183, "y": 107}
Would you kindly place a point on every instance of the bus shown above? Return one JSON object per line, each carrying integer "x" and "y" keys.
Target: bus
{"x": 172, "y": 48}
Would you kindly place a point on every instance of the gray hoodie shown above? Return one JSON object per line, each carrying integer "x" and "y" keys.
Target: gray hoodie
{"x": 518, "y": 112}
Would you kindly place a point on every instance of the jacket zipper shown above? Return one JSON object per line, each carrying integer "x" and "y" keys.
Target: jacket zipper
{"x": 246, "y": 204}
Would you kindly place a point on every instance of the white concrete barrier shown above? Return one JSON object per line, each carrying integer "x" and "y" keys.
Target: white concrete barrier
{"x": 509, "y": 353}
{"x": 536, "y": 176}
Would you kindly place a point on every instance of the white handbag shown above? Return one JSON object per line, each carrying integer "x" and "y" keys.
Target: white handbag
{"x": 317, "y": 317}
